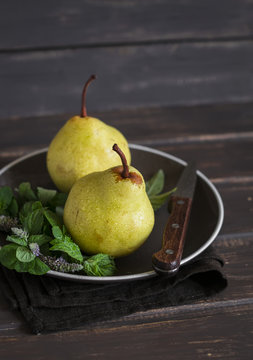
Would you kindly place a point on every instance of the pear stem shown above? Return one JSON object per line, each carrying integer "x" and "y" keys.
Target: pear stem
{"x": 125, "y": 172}
{"x": 83, "y": 108}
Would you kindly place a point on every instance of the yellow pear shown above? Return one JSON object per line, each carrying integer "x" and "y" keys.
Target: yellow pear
{"x": 109, "y": 211}
{"x": 81, "y": 147}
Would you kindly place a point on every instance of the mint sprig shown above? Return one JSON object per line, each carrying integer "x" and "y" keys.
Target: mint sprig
{"x": 63, "y": 242}
{"x": 154, "y": 187}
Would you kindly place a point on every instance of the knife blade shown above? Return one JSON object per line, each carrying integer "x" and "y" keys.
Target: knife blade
{"x": 167, "y": 260}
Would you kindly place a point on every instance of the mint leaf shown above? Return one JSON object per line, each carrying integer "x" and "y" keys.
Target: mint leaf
{"x": 158, "y": 200}
{"x": 40, "y": 239}
{"x": 8, "y": 255}
{"x": 13, "y": 207}
{"x": 34, "y": 222}
{"x": 22, "y": 266}
{"x": 58, "y": 200}
{"x": 16, "y": 240}
{"x": 155, "y": 185}
{"x": 57, "y": 232}
{"x": 37, "y": 205}
{"x": 26, "y": 208}
{"x": 52, "y": 218}
{"x": 37, "y": 267}
{"x": 6, "y": 196}
{"x": 67, "y": 246}
{"x": 45, "y": 195}
{"x": 25, "y": 192}
{"x": 99, "y": 265}
{"x": 23, "y": 254}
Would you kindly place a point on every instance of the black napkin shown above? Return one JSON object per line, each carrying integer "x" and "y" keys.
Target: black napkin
{"x": 50, "y": 304}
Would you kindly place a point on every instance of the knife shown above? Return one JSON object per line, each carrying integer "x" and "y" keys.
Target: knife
{"x": 167, "y": 260}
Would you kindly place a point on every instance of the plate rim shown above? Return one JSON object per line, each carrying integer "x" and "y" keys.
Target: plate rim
{"x": 150, "y": 273}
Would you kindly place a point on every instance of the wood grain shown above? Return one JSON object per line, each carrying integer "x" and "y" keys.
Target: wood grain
{"x": 220, "y": 139}
{"x": 188, "y": 338}
{"x": 85, "y": 23}
{"x": 43, "y": 83}
{"x": 147, "y": 126}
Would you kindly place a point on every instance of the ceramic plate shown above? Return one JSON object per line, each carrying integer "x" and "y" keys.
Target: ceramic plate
{"x": 205, "y": 221}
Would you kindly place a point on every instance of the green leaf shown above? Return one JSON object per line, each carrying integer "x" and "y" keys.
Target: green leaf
{"x": 13, "y": 207}
{"x": 67, "y": 246}
{"x": 26, "y": 208}
{"x": 9, "y": 260}
{"x": 6, "y": 196}
{"x": 40, "y": 239}
{"x": 155, "y": 185}
{"x": 37, "y": 205}
{"x": 99, "y": 265}
{"x": 57, "y": 232}
{"x": 58, "y": 200}
{"x": 158, "y": 200}
{"x": 25, "y": 192}
{"x": 37, "y": 267}
{"x": 45, "y": 195}
{"x": 8, "y": 255}
{"x": 16, "y": 240}
{"x": 25, "y": 211}
{"x": 23, "y": 254}
{"x": 34, "y": 222}
{"x": 22, "y": 266}
{"x": 52, "y": 218}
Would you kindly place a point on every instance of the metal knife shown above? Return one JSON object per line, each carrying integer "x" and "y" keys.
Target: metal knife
{"x": 167, "y": 260}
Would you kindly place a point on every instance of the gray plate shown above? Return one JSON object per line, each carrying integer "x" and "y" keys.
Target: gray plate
{"x": 205, "y": 222}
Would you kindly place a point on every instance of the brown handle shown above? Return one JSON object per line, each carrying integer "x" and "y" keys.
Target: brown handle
{"x": 167, "y": 260}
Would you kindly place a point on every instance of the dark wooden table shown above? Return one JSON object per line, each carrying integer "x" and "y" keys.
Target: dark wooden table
{"x": 220, "y": 327}
{"x": 173, "y": 75}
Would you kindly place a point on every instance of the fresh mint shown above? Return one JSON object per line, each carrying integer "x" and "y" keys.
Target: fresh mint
{"x": 99, "y": 265}
{"x": 154, "y": 187}
{"x": 8, "y": 203}
{"x": 23, "y": 254}
{"x": 65, "y": 244}
{"x": 52, "y": 218}
{"x": 25, "y": 192}
{"x": 40, "y": 239}
{"x": 158, "y": 200}
{"x": 156, "y": 184}
{"x": 45, "y": 195}
{"x": 16, "y": 240}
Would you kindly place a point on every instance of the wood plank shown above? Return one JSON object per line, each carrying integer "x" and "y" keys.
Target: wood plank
{"x": 145, "y": 126}
{"x": 216, "y": 159}
{"x": 43, "y": 83}
{"x": 82, "y": 23}
{"x": 228, "y": 337}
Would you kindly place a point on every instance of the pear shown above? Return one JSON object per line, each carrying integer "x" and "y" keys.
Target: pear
{"x": 81, "y": 147}
{"x": 109, "y": 211}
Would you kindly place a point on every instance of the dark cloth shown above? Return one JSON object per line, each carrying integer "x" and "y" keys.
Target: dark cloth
{"x": 50, "y": 304}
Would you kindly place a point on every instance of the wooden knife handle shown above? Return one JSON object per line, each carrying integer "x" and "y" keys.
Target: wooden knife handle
{"x": 167, "y": 260}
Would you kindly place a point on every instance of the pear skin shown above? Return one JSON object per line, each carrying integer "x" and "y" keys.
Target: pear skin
{"x": 109, "y": 211}
{"x": 82, "y": 146}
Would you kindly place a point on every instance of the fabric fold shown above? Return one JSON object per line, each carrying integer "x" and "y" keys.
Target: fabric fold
{"x": 49, "y": 304}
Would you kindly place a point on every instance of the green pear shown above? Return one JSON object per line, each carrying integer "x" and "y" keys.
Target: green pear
{"x": 81, "y": 147}
{"x": 109, "y": 211}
